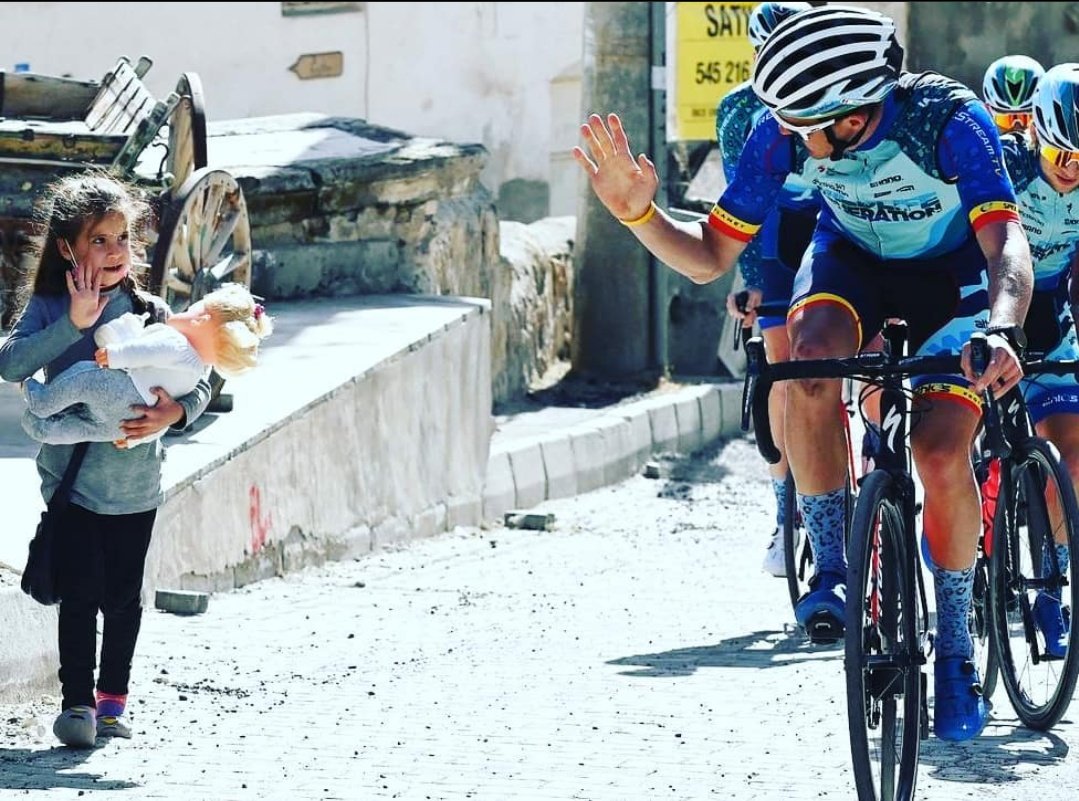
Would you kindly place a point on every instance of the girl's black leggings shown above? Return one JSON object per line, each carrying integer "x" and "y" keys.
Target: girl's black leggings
{"x": 100, "y": 561}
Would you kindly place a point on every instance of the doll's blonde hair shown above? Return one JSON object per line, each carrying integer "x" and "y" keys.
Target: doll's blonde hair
{"x": 242, "y": 324}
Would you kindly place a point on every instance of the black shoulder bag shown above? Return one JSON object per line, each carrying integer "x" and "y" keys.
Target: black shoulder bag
{"x": 39, "y": 578}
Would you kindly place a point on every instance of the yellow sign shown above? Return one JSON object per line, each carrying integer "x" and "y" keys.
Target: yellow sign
{"x": 713, "y": 55}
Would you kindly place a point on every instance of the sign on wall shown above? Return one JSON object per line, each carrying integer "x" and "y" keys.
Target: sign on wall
{"x": 712, "y": 55}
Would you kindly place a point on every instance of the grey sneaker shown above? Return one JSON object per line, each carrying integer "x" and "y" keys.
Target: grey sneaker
{"x": 75, "y": 727}
{"x": 111, "y": 726}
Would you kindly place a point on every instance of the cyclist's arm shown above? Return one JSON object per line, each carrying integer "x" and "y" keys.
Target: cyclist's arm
{"x": 971, "y": 152}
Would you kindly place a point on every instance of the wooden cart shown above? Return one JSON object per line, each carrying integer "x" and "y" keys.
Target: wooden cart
{"x": 201, "y": 234}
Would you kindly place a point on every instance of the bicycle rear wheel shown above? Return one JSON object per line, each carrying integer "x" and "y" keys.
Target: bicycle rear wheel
{"x": 883, "y": 649}
{"x": 1039, "y": 686}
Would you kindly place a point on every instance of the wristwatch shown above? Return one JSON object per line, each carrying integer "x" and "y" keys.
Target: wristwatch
{"x": 1015, "y": 335}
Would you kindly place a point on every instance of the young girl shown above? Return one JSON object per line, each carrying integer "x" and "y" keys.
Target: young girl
{"x": 87, "y": 403}
{"x": 83, "y": 280}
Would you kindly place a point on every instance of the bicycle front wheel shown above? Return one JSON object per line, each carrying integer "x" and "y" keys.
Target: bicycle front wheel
{"x": 1035, "y": 510}
{"x": 884, "y": 652}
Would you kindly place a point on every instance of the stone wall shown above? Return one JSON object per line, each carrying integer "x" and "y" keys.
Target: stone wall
{"x": 340, "y": 207}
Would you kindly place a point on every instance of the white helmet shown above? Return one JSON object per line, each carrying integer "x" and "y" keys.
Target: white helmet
{"x": 1009, "y": 83}
{"x": 1056, "y": 107}
{"x": 764, "y": 18}
{"x": 826, "y": 61}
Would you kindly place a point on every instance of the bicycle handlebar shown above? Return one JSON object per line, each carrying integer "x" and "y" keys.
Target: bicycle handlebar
{"x": 771, "y": 309}
{"x": 870, "y": 366}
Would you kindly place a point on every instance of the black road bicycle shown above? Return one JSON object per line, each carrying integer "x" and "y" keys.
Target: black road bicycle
{"x": 1036, "y": 509}
{"x": 887, "y": 634}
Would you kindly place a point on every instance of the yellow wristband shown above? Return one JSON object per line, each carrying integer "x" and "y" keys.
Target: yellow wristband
{"x": 648, "y": 215}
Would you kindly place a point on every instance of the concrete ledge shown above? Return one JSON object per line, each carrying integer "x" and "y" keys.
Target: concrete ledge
{"x": 366, "y": 424}
{"x": 604, "y": 446}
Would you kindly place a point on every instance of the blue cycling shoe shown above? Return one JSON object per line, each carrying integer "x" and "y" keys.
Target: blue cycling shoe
{"x": 960, "y": 711}
{"x": 821, "y": 611}
{"x": 1050, "y": 622}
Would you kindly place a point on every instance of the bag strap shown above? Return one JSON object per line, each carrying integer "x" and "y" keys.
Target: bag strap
{"x": 60, "y": 497}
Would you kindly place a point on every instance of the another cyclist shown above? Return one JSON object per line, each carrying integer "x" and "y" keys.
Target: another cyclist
{"x": 1044, "y": 167}
{"x": 771, "y": 259}
{"x": 1008, "y": 88}
{"x": 918, "y": 221}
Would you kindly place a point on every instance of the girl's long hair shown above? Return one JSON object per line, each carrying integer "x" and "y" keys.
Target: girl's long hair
{"x": 67, "y": 206}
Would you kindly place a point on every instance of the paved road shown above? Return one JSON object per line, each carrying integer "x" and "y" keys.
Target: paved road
{"x": 634, "y": 652}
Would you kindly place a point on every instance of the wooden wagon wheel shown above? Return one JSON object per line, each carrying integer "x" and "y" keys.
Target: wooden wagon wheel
{"x": 187, "y": 130}
{"x": 204, "y": 239}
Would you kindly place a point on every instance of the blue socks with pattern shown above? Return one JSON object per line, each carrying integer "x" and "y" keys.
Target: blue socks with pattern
{"x": 825, "y": 520}
{"x": 954, "y": 592}
{"x": 779, "y": 487}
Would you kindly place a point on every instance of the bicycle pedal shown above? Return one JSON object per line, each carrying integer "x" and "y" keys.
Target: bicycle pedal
{"x": 824, "y": 629}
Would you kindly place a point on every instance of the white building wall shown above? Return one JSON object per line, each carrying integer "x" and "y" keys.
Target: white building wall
{"x": 466, "y": 72}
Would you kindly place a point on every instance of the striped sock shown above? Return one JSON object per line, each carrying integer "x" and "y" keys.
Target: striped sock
{"x": 110, "y": 705}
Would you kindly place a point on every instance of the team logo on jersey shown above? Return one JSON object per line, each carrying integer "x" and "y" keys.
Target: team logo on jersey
{"x": 900, "y": 210}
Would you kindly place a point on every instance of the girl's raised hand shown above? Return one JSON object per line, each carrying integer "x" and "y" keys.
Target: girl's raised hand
{"x": 624, "y": 184}
{"x": 84, "y": 287}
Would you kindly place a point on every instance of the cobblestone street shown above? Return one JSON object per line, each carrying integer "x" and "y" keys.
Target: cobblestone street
{"x": 636, "y": 651}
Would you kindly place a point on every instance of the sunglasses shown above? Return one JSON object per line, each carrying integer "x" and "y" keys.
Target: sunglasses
{"x": 1057, "y": 157}
{"x": 1011, "y": 119}
{"x": 804, "y": 129}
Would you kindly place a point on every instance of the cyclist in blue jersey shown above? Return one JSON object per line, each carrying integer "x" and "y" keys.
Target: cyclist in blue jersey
{"x": 1008, "y": 89}
{"x": 1044, "y": 167}
{"x": 771, "y": 259}
{"x": 918, "y": 221}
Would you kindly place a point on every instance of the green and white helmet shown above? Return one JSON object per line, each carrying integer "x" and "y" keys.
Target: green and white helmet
{"x": 1009, "y": 84}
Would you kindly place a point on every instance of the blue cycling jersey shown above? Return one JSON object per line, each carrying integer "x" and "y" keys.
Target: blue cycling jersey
{"x": 1050, "y": 219}
{"x": 901, "y": 193}
{"x": 736, "y": 115}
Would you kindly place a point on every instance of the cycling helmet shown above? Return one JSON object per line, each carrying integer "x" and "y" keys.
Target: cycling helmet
{"x": 764, "y": 18}
{"x": 1009, "y": 83}
{"x": 1056, "y": 107}
{"x": 826, "y": 61}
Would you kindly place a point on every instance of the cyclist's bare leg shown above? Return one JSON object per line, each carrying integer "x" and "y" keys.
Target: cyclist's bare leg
{"x": 777, "y": 345}
{"x": 942, "y": 439}
{"x": 817, "y": 454}
{"x": 814, "y": 434}
{"x": 1063, "y": 431}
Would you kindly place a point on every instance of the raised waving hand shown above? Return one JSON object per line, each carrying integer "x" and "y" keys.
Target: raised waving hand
{"x": 624, "y": 184}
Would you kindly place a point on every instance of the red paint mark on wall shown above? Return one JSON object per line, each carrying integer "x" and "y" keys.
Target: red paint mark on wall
{"x": 260, "y": 523}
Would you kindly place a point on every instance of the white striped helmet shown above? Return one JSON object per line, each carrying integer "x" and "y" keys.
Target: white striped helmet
{"x": 1009, "y": 83}
{"x": 1056, "y": 107}
{"x": 824, "y": 62}
{"x": 764, "y": 18}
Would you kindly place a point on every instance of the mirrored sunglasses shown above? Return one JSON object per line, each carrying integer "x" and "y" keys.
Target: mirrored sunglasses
{"x": 1011, "y": 119}
{"x": 803, "y": 129}
{"x": 1059, "y": 158}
